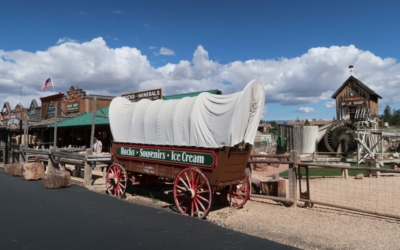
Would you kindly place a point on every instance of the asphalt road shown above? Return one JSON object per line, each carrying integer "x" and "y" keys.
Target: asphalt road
{"x": 32, "y": 217}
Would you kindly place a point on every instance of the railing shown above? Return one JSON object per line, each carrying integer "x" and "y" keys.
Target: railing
{"x": 376, "y": 191}
{"x": 376, "y": 195}
{"x": 289, "y": 159}
{"x": 58, "y": 158}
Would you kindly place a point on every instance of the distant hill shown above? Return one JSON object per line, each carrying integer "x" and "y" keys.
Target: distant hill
{"x": 280, "y": 121}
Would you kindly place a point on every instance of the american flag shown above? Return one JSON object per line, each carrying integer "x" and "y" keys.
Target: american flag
{"x": 47, "y": 84}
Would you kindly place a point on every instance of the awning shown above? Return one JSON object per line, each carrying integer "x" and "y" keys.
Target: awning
{"x": 180, "y": 96}
{"x": 85, "y": 119}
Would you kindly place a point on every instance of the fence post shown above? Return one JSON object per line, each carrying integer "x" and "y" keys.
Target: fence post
{"x": 51, "y": 161}
{"x": 21, "y": 155}
{"x": 292, "y": 177}
{"x": 88, "y": 169}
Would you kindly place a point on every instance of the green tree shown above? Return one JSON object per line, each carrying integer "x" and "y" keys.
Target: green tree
{"x": 387, "y": 114}
{"x": 306, "y": 123}
{"x": 395, "y": 119}
{"x": 274, "y": 125}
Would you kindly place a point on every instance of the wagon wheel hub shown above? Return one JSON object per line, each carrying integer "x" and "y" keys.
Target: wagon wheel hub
{"x": 190, "y": 194}
{"x": 112, "y": 181}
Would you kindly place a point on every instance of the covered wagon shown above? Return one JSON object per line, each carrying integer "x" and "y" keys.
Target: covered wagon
{"x": 200, "y": 143}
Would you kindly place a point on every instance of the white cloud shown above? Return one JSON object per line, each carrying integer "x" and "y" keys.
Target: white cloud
{"x": 97, "y": 68}
{"x": 117, "y": 11}
{"x": 82, "y": 13}
{"x": 306, "y": 110}
{"x": 166, "y": 52}
{"x": 152, "y": 47}
{"x": 330, "y": 105}
{"x": 66, "y": 40}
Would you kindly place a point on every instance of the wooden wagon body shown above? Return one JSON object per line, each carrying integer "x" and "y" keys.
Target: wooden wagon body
{"x": 222, "y": 166}
{"x": 201, "y": 143}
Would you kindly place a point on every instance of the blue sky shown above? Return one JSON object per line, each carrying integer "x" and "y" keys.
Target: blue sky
{"x": 300, "y": 49}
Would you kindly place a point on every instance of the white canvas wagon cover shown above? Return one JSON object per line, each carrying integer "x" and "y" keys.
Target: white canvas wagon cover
{"x": 207, "y": 120}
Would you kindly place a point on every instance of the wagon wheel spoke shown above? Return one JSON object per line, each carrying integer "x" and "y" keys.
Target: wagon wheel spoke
{"x": 194, "y": 198}
{"x": 184, "y": 183}
{"x": 188, "y": 180}
{"x": 201, "y": 204}
{"x": 204, "y": 199}
{"x": 182, "y": 188}
{"x": 197, "y": 207}
{"x": 197, "y": 180}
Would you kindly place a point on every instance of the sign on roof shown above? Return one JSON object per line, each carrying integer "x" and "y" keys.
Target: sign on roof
{"x": 13, "y": 124}
{"x": 153, "y": 94}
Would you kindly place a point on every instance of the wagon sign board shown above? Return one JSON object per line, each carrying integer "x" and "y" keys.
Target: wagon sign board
{"x": 202, "y": 158}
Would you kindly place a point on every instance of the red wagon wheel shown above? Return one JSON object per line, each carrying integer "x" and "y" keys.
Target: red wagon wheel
{"x": 234, "y": 195}
{"x": 192, "y": 193}
{"x": 116, "y": 180}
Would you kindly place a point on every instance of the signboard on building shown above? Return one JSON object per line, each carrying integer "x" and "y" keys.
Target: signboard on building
{"x": 153, "y": 94}
{"x": 72, "y": 107}
{"x": 351, "y": 99}
{"x": 352, "y": 103}
{"x": 51, "y": 110}
{"x": 13, "y": 124}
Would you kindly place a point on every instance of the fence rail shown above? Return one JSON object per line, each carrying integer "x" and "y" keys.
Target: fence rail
{"x": 370, "y": 193}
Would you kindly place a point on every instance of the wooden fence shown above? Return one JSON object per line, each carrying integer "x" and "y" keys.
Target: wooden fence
{"x": 58, "y": 158}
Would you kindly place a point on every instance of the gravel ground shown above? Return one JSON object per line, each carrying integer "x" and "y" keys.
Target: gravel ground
{"x": 319, "y": 227}
{"x": 306, "y": 228}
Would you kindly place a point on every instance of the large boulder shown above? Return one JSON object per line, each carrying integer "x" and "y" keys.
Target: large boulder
{"x": 33, "y": 171}
{"x": 8, "y": 168}
{"x": 57, "y": 179}
{"x": 17, "y": 168}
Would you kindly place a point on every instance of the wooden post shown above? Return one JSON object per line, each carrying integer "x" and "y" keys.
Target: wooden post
{"x": 55, "y": 126}
{"x": 345, "y": 173}
{"x": 50, "y": 163}
{"x": 93, "y": 122}
{"x": 368, "y": 165}
{"x": 26, "y": 129}
{"x": 88, "y": 168}
{"x": 358, "y": 149}
{"x": 21, "y": 155}
{"x": 377, "y": 165}
{"x": 292, "y": 177}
